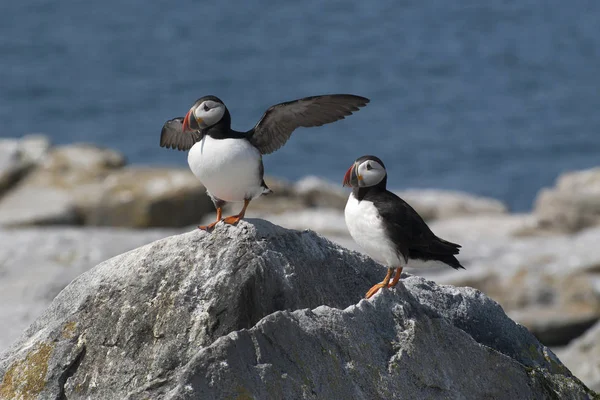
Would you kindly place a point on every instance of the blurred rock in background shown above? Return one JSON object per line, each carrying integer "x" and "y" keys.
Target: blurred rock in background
{"x": 18, "y": 156}
{"x": 572, "y": 205}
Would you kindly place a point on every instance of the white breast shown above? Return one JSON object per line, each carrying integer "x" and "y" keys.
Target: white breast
{"x": 366, "y": 228}
{"x": 229, "y": 168}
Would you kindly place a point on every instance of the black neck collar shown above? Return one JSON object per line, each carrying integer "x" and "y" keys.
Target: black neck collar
{"x": 222, "y": 129}
{"x": 361, "y": 192}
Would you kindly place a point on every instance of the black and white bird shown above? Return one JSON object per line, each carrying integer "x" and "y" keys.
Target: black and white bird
{"x": 387, "y": 228}
{"x": 229, "y": 163}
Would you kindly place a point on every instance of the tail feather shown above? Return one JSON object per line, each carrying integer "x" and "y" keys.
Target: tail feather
{"x": 451, "y": 261}
{"x": 440, "y": 250}
{"x": 441, "y": 246}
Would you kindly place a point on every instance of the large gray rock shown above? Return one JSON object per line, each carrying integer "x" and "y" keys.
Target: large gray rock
{"x": 395, "y": 347}
{"x": 572, "y": 205}
{"x": 197, "y": 316}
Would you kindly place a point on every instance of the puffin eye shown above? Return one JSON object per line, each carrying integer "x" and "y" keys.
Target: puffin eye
{"x": 205, "y": 108}
{"x": 369, "y": 167}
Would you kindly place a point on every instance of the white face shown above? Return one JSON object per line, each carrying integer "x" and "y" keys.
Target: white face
{"x": 370, "y": 173}
{"x": 208, "y": 113}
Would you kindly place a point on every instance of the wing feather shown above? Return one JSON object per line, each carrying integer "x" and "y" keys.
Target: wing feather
{"x": 279, "y": 121}
{"x": 173, "y": 137}
{"x": 407, "y": 227}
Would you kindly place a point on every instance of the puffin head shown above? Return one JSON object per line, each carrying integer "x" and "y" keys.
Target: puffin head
{"x": 206, "y": 112}
{"x": 366, "y": 171}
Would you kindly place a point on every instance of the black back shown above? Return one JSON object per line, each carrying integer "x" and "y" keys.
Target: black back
{"x": 405, "y": 227}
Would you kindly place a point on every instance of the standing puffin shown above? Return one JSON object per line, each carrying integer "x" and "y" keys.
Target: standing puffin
{"x": 229, "y": 163}
{"x": 388, "y": 228}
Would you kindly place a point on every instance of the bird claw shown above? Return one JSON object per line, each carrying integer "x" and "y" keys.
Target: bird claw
{"x": 383, "y": 284}
{"x": 209, "y": 226}
{"x": 234, "y": 219}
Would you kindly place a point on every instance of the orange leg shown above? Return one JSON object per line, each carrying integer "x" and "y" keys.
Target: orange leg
{"x": 236, "y": 218}
{"x": 396, "y": 277}
{"x": 383, "y": 284}
{"x": 210, "y": 226}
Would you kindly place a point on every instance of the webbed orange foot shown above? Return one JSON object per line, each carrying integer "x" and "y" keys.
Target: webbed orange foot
{"x": 383, "y": 284}
{"x": 374, "y": 290}
{"x": 234, "y": 219}
{"x": 209, "y": 226}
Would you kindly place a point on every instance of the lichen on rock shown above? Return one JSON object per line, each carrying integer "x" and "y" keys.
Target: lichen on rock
{"x": 26, "y": 379}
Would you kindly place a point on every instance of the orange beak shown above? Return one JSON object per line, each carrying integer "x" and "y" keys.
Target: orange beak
{"x": 351, "y": 178}
{"x": 348, "y": 176}
{"x": 186, "y": 122}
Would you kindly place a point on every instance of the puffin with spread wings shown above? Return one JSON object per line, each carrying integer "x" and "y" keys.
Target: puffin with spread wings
{"x": 229, "y": 163}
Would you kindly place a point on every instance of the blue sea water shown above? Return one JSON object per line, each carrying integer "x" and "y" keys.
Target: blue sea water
{"x": 491, "y": 97}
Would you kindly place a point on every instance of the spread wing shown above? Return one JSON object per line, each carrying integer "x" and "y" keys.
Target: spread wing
{"x": 172, "y": 136}
{"x": 279, "y": 121}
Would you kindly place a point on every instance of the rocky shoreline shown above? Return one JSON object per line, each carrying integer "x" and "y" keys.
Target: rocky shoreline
{"x": 85, "y": 185}
{"x": 64, "y": 209}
